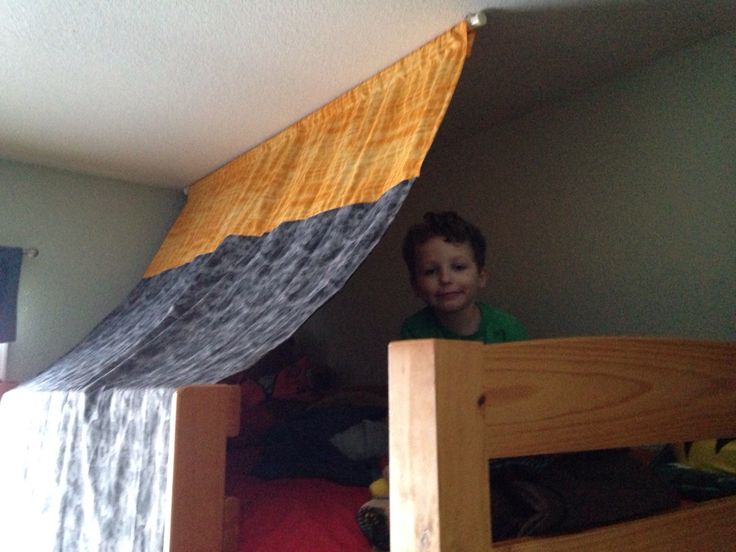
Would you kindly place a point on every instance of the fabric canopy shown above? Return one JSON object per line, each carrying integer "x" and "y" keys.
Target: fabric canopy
{"x": 260, "y": 245}
{"x": 351, "y": 151}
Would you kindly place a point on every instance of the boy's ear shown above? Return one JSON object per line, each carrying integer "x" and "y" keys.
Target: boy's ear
{"x": 482, "y": 277}
{"x": 415, "y": 288}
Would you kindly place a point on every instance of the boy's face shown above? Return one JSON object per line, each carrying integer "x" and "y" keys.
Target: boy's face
{"x": 447, "y": 276}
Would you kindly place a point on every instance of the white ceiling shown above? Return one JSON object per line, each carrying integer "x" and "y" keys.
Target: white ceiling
{"x": 163, "y": 92}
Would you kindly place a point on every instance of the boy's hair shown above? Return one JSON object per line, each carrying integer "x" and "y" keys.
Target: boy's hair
{"x": 448, "y": 225}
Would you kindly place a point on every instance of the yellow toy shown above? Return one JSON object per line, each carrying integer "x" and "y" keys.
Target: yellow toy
{"x": 379, "y": 488}
{"x": 714, "y": 455}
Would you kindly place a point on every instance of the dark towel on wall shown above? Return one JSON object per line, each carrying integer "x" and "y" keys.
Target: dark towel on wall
{"x": 10, "y": 259}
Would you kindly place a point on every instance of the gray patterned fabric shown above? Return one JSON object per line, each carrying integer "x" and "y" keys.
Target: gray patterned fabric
{"x": 85, "y": 444}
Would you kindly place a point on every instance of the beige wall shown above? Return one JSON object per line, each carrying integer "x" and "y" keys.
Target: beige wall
{"x": 614, "y": 213}
{"x": 95, "y": 237}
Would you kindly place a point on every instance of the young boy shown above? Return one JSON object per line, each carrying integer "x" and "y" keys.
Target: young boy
{"x": 445, "y": 256}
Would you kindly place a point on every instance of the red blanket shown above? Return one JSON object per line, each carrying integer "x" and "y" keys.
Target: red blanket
{"x": 299, "y": 515}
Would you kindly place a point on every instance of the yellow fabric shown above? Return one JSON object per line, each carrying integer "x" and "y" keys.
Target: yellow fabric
{"x": 350, "y": 151}
{"x": 702, "y": 455}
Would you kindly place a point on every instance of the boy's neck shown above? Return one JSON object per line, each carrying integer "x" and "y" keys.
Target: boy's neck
{"x": 465, "y": 322}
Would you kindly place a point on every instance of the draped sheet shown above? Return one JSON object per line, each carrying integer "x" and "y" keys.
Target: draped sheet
{"x": 260, "y": 245}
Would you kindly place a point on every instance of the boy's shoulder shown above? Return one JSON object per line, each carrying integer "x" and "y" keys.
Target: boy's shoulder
{"x": 497, "y": 326}
{"x": 500, "y": 326}
{"x": 495, "y": 314}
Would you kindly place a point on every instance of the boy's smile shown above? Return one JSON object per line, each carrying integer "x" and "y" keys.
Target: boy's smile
{"x": 447, "y": 278}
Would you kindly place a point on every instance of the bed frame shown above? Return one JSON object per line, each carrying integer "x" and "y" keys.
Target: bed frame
{"x": 453, "y": 405}
{"x": 200, "y": 517}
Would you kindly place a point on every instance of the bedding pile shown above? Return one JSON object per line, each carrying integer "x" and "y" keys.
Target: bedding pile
{"x": 547, "y": 494}
{"x": 571, "y": 492}
{"x": 305, "y": 456}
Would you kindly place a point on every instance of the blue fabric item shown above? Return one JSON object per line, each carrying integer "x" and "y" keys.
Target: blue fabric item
{"x": 10, "y": 261}
{"x": 90, "y": 435}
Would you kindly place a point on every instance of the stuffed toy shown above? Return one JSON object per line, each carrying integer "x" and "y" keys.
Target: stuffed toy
{"x": 373, "y": 516}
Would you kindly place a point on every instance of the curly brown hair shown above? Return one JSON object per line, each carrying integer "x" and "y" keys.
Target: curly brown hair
{"x": 449, "y": 225}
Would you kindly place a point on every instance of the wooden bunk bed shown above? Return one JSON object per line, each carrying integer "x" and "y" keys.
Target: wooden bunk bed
{"x": 453, "y": 405}
{"x": 200, "y": 517}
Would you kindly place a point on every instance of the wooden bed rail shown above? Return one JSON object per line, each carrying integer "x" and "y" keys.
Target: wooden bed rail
{"x": 705, "y": 527}
{"x": 439, "y": 479}
{"x": 565, "y": 395}
{"x": 453, "y": 405}
{"x": 203, "y": 417}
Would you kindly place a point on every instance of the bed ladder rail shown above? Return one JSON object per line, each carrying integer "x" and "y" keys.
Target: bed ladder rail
{"x": 204, "y": 416}
{"x": 439, "y": 479}
{"x": 707, "y": 526}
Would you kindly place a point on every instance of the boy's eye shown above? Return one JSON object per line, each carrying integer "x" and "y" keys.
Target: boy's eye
{"x": 428, "y": 271}
{"x": 459, "y": 267}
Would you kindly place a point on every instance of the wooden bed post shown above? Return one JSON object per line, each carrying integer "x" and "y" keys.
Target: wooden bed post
{"x": 436, "y": 418}
{"x": 203, "y": 417}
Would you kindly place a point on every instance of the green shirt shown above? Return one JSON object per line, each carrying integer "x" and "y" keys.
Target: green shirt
{"x": 496, "y": 326}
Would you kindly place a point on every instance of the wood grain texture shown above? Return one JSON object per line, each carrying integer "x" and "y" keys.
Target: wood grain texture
{"x": 231, "y": 525}
{"x": 454, "y": 405}
{"x": 705, "y": 527}
{"x": 439, "y": 477}
{"x": 204, "y": 416}
{"x": 565, "y": 395}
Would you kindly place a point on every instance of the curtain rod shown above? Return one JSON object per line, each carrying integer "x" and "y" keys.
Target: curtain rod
{"x": 476, "y": 20}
